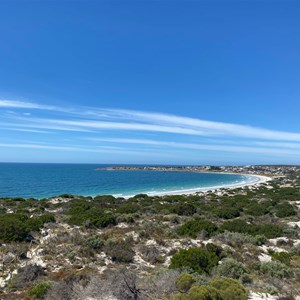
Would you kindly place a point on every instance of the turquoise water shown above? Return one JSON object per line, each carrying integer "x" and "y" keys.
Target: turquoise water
{"x": 46, "y": 180}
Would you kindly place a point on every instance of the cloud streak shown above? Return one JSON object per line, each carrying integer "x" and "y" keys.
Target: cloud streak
{"x": 28, "y": 105}
{"x": 112, "y": 125}
{"x": 117, "y": 119}
{"x": 221, "y": 148}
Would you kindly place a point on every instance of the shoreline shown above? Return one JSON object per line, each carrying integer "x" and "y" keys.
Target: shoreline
{"x": 245, "y": 179}
{"x": 195, "y": 191}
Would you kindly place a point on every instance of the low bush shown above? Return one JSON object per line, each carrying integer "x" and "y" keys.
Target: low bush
{"x": 258, "y": 209}
{"x": 231, "y": 268}
{"x": 127, "y": 218}
{"x": 195, "y": 226}
{"x": 40, "y": 290}
{"x": 200, "y": 293}
{"x": 128, "y": 208}
{"x": 13, "y": 228}
{"x": 227, "y": 212}
{"x": 275, "y": 269}
{"x": 184, "y": 209}
{"x": 197, "y": 259}
{"x": 185, "y": 282}
{"x": 283, "y": 257}
{"x": 295, "y": 250}
{"x": 268, "y": 230}
{"x": 238, "y": 239}
{"x": 151, "y": 254}
{"x": 215, "y": 249}
{"x": 284, "y": 210}
{"x": 92, "y": 219}
{"x": 105, "y": 198}
{"x": 103, "y": 220}
{"x": 95, "y": 242}
{"x": 27, "y": 275}
{"x": 218, "y": 289}
{"x": 119, "y": 250}
{"x": 35, "y": 223}
{"x": 229, "y": 289}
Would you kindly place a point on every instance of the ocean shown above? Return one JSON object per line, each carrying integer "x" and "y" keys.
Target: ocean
{"x": 46, "y": 180}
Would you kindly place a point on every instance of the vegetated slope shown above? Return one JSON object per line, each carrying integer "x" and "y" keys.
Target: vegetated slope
{"x": 218, "y": 245}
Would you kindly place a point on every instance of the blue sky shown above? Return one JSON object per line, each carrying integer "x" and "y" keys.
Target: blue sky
{"x": 168, "y": 82}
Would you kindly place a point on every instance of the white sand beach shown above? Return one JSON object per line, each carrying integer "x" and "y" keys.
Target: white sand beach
{"x": 257, "y": 180}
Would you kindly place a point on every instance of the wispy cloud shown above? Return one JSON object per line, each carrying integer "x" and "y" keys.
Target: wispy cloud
{"x": 112, "y": 125}
{"x": 117, "y": 119}
{"x": 24, "y": 104}
{"x": 26, "y": 130}
{"x": 75, "y": 148}
{"x": 221, "y": 148}
{"x": 205, "y": 127}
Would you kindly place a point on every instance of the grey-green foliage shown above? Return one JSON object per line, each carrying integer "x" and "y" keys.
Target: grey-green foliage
{"x": 231, "y": 268}
{"x": 95, "y": 242}
{"x": 275, "y": 269}
{"x": 295, "y": 250}
{"x": 237, "y": 238}
{"x": 120, "y": 250}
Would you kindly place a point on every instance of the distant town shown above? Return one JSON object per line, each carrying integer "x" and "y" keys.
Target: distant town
{"x": 270, "y": 170}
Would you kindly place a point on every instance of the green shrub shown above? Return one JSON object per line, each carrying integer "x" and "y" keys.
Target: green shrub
{"x": 13, "y": 228}
{"x": 103, "y": 220}
{"x": 71, "y": 256}
{"x": 184, "y": 209}
{"x": 40, "y": 290}
{"x": 193, "y": 227}
{"x": 92, "y": 219}
{"x": 200, "y": 293}
{"x": 105, "y": 198}
{"x": 214, "y": 248}
{"x": 235, "y": 226}
{"x": 229, "y": 289}
{"x": 35, "y": 223}
{"x": 185, "y": 281}
{"x": 268, "y": 230}
{"x": 141, "y": 196}
{"x": 227, "y": 212}
{"x": 258, "y": 209}
{"x": 283, "y": 257}
{"x": 197, "y": 259}
{"x": 128, "y": 208}
{"x": 270, "y": 289}
{"x": 127, "y": 218}
{"x": 95, "y": 242}
{"x": 284, "y": 210}
{"x": 67, "y": 196}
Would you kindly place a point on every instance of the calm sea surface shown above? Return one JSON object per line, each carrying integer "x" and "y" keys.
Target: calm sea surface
{"x": 46, "y": 180}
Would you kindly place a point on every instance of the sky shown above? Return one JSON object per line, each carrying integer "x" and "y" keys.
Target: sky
{"x": 150, "y": 82}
